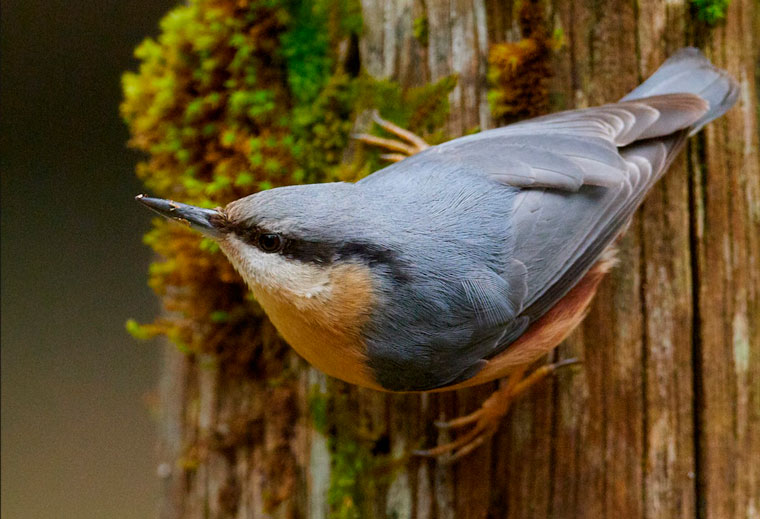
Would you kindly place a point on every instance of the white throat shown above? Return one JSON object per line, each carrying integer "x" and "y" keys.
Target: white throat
{"x": 274, "y": 273}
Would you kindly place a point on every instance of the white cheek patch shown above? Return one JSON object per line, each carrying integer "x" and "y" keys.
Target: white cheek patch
{"x": 273, "y": 272}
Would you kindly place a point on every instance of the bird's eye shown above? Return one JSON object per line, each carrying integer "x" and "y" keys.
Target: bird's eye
{"x": 270, "y": 242}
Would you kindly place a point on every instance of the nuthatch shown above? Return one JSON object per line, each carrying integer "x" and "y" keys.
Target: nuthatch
{"x": 469, "y": 260}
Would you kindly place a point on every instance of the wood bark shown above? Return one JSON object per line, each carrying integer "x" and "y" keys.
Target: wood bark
{"x": 663, "y": 419}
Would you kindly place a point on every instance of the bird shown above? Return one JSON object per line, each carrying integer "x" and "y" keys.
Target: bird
{"x": 467, "y": 261}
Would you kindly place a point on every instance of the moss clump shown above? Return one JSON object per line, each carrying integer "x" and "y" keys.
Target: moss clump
{"x": 421, "y": 30}
{"x": 519, "y": 72}
{"x": 205, "y": 107}
{"x": 357, "y": 467}
{"x": 422, "y": 110}
{"x": 350, "y": 464}
{"x": 710, "y": 11}
{"x": 318, "y": 402}
{"x": 322, "y": 129}
{"x": 233, "y": 97}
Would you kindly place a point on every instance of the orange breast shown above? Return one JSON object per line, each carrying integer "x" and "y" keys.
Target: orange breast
{"x": 327, "y": 332}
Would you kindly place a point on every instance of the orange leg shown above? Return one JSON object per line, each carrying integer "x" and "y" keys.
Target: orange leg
{"x": 405, "y": 146}
{"x": 485, "y": 421}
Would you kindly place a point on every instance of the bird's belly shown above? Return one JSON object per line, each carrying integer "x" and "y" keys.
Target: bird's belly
{"x": 326, "y": 332}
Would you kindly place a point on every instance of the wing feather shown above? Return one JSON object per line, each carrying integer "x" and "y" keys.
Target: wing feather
{"x": 570, "y": 149}
{"x": 574, "y": 181}
{"x": 584, "y": 184}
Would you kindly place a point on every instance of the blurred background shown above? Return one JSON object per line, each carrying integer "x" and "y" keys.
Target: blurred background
{"x": 77, "y": 436}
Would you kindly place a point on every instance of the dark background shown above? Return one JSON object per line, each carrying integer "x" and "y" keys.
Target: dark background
{"x": 77, "y": 435}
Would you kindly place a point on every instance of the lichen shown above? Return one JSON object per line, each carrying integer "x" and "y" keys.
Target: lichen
{"x": 519, "y": 72}
{"x": 710, "y": 11}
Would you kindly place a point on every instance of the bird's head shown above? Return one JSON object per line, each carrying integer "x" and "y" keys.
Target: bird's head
{"x": 294, "y": 248}
{"x": 285, "y": 240}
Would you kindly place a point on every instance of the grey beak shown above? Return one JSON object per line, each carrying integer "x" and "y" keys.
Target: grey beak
{"x": 207, "y": 221}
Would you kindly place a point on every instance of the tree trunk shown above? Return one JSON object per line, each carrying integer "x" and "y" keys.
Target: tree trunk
{"x": 663, "y": 418}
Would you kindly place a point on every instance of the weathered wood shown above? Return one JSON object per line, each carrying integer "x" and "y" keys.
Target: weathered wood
{"x": 669, "y": 462}
{"x": 662, "y": 420}
{"x": 727, "y": 237}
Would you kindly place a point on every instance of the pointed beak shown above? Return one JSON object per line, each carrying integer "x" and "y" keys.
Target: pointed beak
{"x": 208, "y": 221}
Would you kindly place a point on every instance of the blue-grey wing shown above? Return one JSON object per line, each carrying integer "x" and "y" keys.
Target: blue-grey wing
{"x": 578, "y": 176}
{"x": 583, "y": 173}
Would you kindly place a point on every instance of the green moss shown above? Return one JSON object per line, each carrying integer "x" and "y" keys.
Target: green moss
{"x": 351, "y": 457}
{"x": 357, "y": 469}
{"x": 322, "y": 128}
{"x": 421, "y": 30}
{"x": 140, "y": 332}
{"x": 306, "y": 48}
{"x": 318, "y": 402}
{"x": 215, "y": 104}
{"x": 219, "y": 316}
{"x": 422, "y": 110}
{"x": 558, "y": 39}
{"x": 350, "y": 462}
{"x": 240, "y": 95}
{"x": 710, "y": 11}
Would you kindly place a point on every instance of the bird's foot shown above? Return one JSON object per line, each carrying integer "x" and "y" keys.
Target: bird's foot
{"x": 405, "y": 146}
{"x": 485, "y": 421}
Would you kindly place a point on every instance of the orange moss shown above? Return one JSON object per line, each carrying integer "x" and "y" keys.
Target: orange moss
{"x": 519, "y": 72}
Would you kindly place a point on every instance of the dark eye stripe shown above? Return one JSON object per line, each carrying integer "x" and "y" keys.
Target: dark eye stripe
{"x": 309, "y": 251}
{"x": 250, "y": 235}
{"x": 325, "y": 253}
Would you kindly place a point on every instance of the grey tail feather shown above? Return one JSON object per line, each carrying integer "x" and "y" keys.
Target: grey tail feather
{"x": 688, "y": 71}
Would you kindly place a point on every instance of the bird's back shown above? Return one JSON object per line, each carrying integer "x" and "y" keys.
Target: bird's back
{"x": 495, "y": 228}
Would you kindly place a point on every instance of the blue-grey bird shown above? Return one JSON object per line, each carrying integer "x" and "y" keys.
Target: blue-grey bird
{"x": 470, "y": 258}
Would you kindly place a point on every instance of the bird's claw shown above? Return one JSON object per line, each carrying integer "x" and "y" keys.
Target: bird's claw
{"x": 485, "y": 427}
{"x": 487, "y": 419}
{"x": 406, "y": 145}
